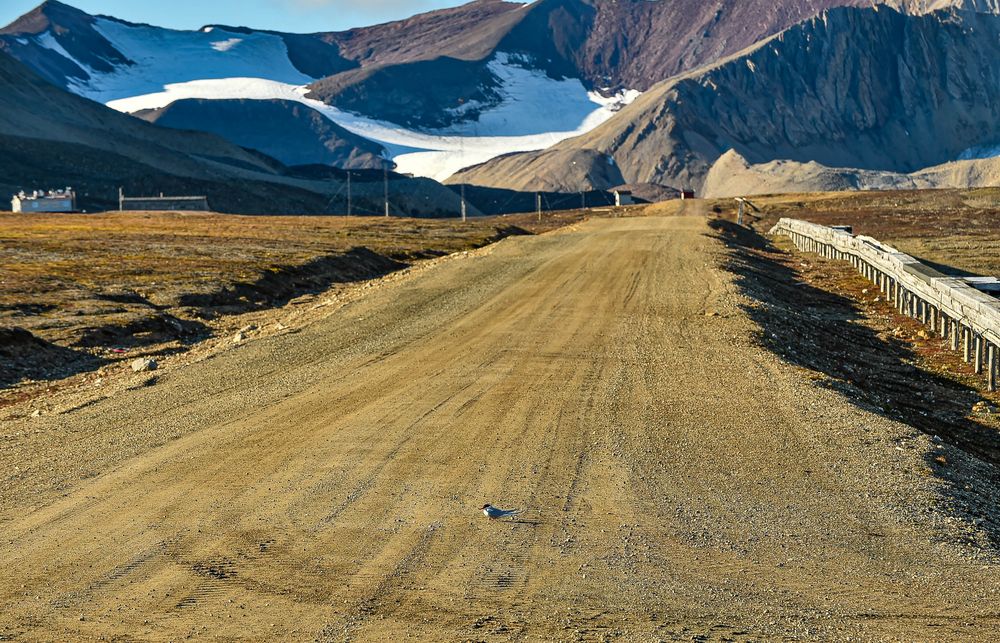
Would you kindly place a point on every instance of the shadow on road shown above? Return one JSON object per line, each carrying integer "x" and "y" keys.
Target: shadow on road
{"x": 814, "y": 329}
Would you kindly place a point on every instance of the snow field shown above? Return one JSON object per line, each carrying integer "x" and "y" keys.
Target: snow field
{"x": 536, "y": 111}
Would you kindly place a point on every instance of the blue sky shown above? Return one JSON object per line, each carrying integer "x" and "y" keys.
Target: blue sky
{"x": 280, "y": 15}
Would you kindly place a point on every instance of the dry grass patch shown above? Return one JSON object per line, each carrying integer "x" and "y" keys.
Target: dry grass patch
{"x": 115, "y": 285}
{"x": 957, "y": 230}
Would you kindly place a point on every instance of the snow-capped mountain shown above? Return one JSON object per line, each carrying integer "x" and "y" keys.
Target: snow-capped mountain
{"x": 510, "y": 105}
{"x": 434, "y": 93}
{"x": 442, "y": 91}
{"x": 852, "y": 88}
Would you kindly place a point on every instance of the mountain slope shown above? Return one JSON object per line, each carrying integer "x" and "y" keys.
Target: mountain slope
{"x": 439, "y": 91}
{"x": 33, "y": 108}
{"x": 50, "y": 137}
{"x": 634, "y": 44}
{"x": 733, "y": 176}
{"x": 872, "y": 89}
{"x": 288, "y": 131}
{"x": 586, "y": 169}
{"x": 610, "y": 46}
{"x": 59, "y": 42}
{"x": 491, "y": 79}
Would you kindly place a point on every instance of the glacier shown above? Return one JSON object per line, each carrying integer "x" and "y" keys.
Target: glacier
{"x": 536, "y": 111}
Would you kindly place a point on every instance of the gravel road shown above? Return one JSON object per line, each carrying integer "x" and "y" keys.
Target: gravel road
{"x": 677, "y": 480}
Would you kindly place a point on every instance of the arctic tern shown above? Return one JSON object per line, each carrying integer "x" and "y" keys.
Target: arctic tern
{"x": 493, "y": 513}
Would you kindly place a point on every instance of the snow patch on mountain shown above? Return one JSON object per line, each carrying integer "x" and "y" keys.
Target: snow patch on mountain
{"x": 537, "y": 112}
{"x": 165, "y": 56}
{"x": 49, "y": 41}
{"x": 226, "y": 45}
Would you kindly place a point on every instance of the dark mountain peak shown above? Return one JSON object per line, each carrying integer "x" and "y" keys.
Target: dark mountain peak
{"x": 73, "y": 30}
{"x": 51, "y": 14}
{"x": 467, "y": 32}
{"x": 55, "y": 5}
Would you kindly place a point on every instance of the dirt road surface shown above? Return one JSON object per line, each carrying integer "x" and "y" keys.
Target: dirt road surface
{"x": 677, "y": 481}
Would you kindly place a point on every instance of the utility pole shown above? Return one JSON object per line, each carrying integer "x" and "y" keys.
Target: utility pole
{"x": 538, "y": 205}
{"x": 349, "y": 204}
{"x": 583, "y": 200}
{"x": 464, "y": 207}
{"x": 385, "y": 180}
{"x": 746, "y": 206}
{"x": 121, "y": 199}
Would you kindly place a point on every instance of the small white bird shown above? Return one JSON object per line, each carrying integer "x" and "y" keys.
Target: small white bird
{"x": 493, "y": 513}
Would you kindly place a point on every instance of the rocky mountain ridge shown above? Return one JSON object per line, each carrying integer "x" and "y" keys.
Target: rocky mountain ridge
{"x": 462, "y": 75}
{"x": 733, "y": 176}
{"x": 533, "y": 96}
{"x": 862, "y": 88}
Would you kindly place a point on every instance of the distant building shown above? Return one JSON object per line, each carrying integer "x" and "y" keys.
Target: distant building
{"x": 51, "y": 201}
{"x": 623, "y": 197}
{"x": 156, "y": 203}
{"x": 687, "y": 194}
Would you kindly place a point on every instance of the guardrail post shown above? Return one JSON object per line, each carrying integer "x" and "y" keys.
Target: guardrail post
{"x": 991, "y": 377}
{"x": 961, "y": 315}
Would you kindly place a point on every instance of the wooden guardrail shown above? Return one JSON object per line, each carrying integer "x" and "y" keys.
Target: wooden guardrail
{"x": 966, "y": 317}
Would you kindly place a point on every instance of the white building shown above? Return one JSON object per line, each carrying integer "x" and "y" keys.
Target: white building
{"x": 51, "y": 201}
{"x": 623, "y": 197}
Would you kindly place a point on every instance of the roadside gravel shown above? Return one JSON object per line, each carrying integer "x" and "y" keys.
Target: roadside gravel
{"x": 323, "y": 482}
